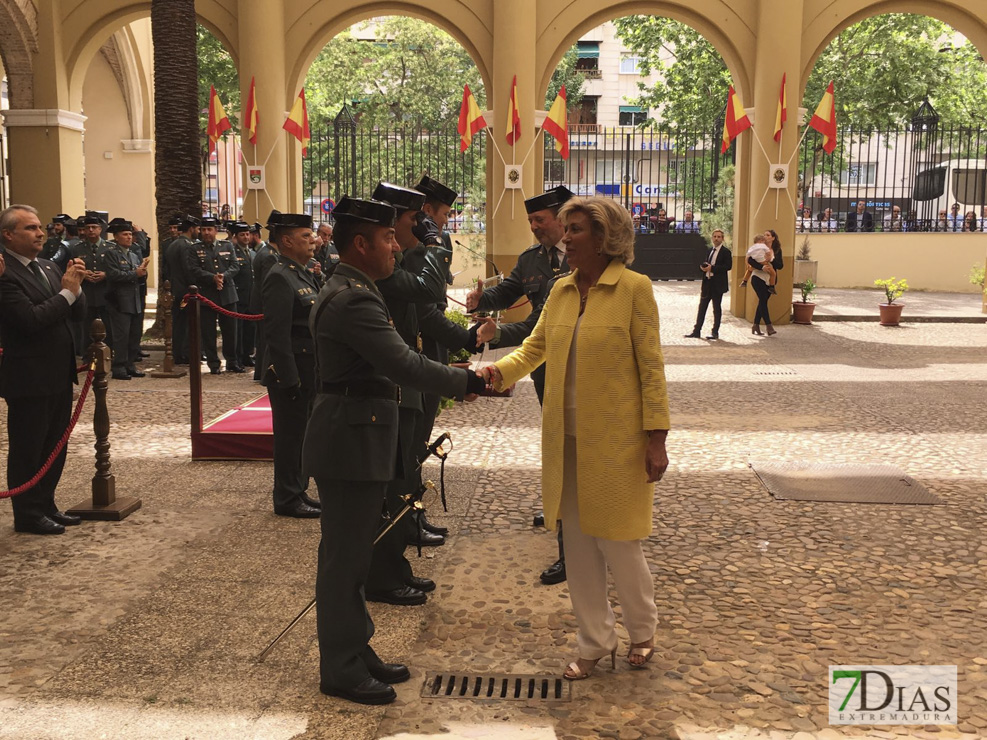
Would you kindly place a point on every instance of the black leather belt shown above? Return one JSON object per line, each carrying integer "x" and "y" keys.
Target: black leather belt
{"x": 365, "y": 389}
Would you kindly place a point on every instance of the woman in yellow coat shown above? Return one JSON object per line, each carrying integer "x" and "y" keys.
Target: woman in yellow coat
{"x": 604, "y": 425}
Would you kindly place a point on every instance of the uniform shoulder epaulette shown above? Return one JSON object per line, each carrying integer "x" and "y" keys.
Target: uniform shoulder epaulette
{"x": 532, "y": 248}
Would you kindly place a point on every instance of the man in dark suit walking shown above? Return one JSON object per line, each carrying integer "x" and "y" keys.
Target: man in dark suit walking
{"x": 37, "y": 304}
{"x": 714, "y": 284}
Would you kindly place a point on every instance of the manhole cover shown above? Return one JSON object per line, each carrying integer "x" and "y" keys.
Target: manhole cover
{"x": 842, "y": 483}
{"x": 495, "y": 687}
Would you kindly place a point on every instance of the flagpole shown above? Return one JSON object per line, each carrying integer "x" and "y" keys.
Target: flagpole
{"x": 531, "y": 148}
{"x": 799, "y": 145}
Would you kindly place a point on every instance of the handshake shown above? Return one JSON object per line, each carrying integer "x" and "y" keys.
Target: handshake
{"x": 482, "y": 332}
{"x": 479, "y": 382}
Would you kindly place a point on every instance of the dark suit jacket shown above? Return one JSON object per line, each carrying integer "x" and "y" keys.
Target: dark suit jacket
{"x": 866, "y": 222}
{"x": 38, "y": 353}
{"x": 718, "y": 283}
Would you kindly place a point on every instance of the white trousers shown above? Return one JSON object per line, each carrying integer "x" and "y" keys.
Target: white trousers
{"x": 586, "y": 561}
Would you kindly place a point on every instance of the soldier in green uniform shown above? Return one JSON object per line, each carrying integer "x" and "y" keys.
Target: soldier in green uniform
{"x": 265, "y": 258}
{"x": 56, "y": 248}
{"x": 289, "y": 292}
{"x": 239, "y": 232}
{"x": 90, "y": 250}
{"x": 351, "y": 443}
{"x": 536, "y": 267}
{"x": 124, "y": 270}
{"x": 176, "y": 271}
{"x": 211, "y": 265}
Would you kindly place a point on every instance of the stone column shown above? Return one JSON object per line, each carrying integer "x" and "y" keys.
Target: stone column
{"x": 514, "y": 54}
{"x": 262, "y": 30}
{"x": 44, "y": 137}
{"x": 778, "y": 52}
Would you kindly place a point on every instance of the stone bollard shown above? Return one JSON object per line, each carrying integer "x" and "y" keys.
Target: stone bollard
{"x": 104, "y": 504}
{"x": 165, "y": 301}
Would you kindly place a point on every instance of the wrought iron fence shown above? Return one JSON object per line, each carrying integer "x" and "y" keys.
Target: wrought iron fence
{"x": 921, "y": 178}
{"x": 349, "y": 159}
{"x": 667, "y": 179}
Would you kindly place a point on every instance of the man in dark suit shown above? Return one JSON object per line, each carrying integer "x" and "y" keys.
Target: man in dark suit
{"x": 860, "y": 219}
{"x": 351, "y": 443}
{"x": 714, "y": 284}
{"x": 37, "y": 304}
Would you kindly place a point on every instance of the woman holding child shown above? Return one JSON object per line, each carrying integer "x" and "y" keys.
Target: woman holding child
{"x": 763, "y": 285}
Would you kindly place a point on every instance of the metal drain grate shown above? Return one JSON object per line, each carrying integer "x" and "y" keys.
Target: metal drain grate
{"x": 842, "y": 483}
{"x": 495, "y": 687}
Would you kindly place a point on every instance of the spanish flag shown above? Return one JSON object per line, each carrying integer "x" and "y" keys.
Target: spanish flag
{"x": 251, "y": 117}
{"x": 218, "y": 122}
{"x": 513, "y": 117}
{"x": 471, "y": 121}
{"x": 297, "y": 122}
{"x": 824, "y": 119}
{"x": 736, "y": 121}
{"x": 557, "y": 126}
{"x": 782, "y": 115}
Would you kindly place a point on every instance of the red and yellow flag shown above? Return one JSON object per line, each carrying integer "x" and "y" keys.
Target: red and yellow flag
{"x": 824, "y": 119}
{"x": 557, "y": 125}
{"x": 782, "y": 115}
{"x": 297, "y": 122}
{"x": 218, "y": 122}
{"x": 471, "y": 121}
{"x": 736, "y": 121}
{"x": 251, "y": 117}
{"x": 513, "y": 117}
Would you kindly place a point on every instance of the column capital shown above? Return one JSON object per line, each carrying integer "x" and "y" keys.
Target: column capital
{"x": 44, "y": 117}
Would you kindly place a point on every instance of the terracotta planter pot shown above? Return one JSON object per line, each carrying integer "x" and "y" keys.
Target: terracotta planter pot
{"x": 890, "y": 313}
{"x": 802, "y": 312}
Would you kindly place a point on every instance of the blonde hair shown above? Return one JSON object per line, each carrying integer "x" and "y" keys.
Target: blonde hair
{"x": 759, "y": 239}
{"x": 610, "y": 223}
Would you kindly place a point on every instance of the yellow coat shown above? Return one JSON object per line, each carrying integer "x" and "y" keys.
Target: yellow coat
{"x": 620, "y": 394}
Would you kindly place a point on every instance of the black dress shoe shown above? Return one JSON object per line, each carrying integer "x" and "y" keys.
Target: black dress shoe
{"x": 427, "y": 539}
{"x": 425, "y": 585}
{"x": 215, "y": 370}
{"x": 539, "y": 520}
{"x": 713, "y": 336}
{"x": 314, "y": 503}
{"x": 429, "y": 527}
{"x": 120, "y": 375}
{"x": 389, "y": 672}
{"x": 248, "y": 362}
{"x": 235, "y": 368}
{"x": 133, "y": 372}
{"x": 41, "y": 525}
{"x": 404, "y": 596}
{"x": 555, "y": 573}
{"x": 694, "y": 335}
{"x": 66, "y": 520}
{"x": 368, "y": 691}
{"x": 299, "y": 510}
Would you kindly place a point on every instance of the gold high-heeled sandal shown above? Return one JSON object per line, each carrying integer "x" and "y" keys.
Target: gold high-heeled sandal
{"x": 646, "y": 652}
{"x": 574, "y": 673}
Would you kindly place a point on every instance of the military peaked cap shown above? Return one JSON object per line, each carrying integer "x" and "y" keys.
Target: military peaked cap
{"x": 403, "y": 199}
{"x": 550, "y": 199}
{"x": 294, "y": 220}
{"x": 255, "y": 229}
{"x": 235, "y": 227}
{"x": 436, "y": 190}
{"x": 61, "y": 218}
{"x": 188, "y": 222}
{"x": 119, "y": 224}
{"x": 273, "y": 218}
{"x": 91, "y": 219}
{"x": 368, "y": 211}
{"x": 175, "y": 221}
{"x": 209, "y": 221}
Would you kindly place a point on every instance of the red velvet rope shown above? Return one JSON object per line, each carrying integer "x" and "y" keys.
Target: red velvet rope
{"x": 61, "y": 443}
{"x": 219, "y": 309}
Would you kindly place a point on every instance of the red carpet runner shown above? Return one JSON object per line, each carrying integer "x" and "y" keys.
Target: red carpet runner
{"x": 243, "y": 433}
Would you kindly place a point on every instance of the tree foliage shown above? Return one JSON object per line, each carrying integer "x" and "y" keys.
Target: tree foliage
{"x": 410, "y": 73}
{"x": 883, "y": 68}
{"x": 567, "y": 74}
{"x": 216, "y": 68}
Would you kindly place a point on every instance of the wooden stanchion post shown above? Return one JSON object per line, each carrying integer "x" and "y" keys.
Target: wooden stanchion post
{"x": 104, "y": 504}
{"x": 165, "y": 301}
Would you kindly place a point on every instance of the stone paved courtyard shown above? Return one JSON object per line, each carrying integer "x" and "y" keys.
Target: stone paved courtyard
{"x": 150, "y": 628}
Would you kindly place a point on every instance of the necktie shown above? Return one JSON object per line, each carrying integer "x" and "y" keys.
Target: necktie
{"x": 36, "y": 269}
{"x": 556, "y": 265}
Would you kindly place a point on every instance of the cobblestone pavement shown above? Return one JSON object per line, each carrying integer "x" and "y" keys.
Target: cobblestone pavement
{"x": 149, "y": 628}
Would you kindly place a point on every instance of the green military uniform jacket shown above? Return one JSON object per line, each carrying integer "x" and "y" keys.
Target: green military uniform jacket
{"x": 290, "y": 291}
{"x": 122, "y": 281}
{"x": 354, "y": 436}
{"x": 203, "y": 262}
{"x": 529, "y": 278}
{"x": 92, "y": 255}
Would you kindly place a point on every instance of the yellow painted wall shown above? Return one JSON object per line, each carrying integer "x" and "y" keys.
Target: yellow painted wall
{"x": 928, "y": 261}
{"x": 124, "y": 184}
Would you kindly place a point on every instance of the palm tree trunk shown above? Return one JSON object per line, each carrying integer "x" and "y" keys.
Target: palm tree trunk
{"x": 177, "y": 170}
